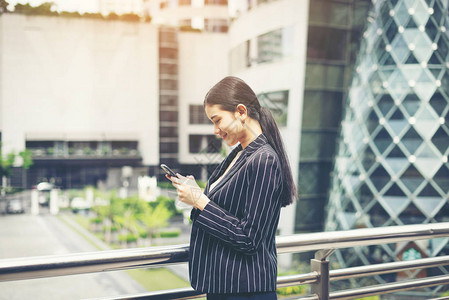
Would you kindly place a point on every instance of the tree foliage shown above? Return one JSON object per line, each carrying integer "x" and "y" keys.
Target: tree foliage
{"x": 44, "y": 9}
{"x": 3, "y": 6}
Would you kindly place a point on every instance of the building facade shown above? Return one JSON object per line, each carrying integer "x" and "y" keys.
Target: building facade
{"x": 204, "y": 15}
{"x": 392, "y": 165}
{"x": 334, "y": 31}
{"x": 89, "y": 102}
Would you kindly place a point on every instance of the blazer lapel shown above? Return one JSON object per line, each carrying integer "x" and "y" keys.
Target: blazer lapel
{"x": 250, "y": 149}
{"x": 228, "y": 175}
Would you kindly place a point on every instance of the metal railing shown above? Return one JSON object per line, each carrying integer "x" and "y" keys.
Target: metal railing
{"x": 324, "y": 243}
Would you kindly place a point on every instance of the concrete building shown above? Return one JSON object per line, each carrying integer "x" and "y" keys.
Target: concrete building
{"x": 205, "y": 15}
{"x": 88, "y": 97}
{"x": 121, "y": 7}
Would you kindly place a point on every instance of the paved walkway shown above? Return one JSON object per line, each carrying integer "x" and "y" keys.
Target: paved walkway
{"x": 26, "y": 235}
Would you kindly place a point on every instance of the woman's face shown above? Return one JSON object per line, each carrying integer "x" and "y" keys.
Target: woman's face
{"x": 226, "y": 124}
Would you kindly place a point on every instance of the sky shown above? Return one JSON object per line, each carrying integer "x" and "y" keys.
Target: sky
{"x": 62, "y": 5}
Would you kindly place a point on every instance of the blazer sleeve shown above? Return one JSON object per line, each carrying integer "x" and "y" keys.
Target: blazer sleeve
{"x": 262, "y": 204}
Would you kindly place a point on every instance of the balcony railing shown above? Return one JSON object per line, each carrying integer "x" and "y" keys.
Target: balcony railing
{"x": 324, "y": 243}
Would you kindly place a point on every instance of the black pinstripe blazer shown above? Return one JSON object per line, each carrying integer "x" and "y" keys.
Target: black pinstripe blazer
{"x": 232, "y": 244}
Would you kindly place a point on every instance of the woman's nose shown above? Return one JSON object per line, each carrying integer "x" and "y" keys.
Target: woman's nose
{"x": 217, "y": 130}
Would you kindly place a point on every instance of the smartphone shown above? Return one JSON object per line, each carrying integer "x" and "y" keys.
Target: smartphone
{"x": 168, "y": 170}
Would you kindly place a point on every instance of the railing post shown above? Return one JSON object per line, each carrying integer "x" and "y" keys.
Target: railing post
{"x": 320, "y": 264}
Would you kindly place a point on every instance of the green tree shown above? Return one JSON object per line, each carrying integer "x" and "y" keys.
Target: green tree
{"x": 27, "y": 162}
{"x": 154, "y": 218}
{"x": 3, "y": 6}
{"x": 130, "y": 18}
{"x": 43, "y": 9}
{"x": 112, "y": 16}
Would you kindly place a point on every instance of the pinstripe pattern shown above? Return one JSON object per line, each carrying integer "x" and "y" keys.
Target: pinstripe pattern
{"x": 232, "y": 245}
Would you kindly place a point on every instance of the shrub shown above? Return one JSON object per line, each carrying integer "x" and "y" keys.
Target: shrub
{"x": 291, "y": 290}
{"x": 96, "y": 220}
{"x": 170, "y": 234}
{"x": 129, "y": 238}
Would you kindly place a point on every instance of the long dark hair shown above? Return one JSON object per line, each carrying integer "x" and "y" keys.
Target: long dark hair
{"x": 230, "y": 92}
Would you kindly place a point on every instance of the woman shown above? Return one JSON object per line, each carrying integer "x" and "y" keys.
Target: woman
{"x": 232, "y": 245}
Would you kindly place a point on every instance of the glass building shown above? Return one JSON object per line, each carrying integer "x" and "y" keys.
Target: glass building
{"x": 334, "y": 32}
{"x": 392, "y": 163}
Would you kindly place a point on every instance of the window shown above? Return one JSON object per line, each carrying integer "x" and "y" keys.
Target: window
{"x": 168, "y": 147}
{"x": 329, "y": 13}
{"x": 240, "y": 57}
{"x": 168, "y": 116}
{"x": 275, "y": 45}
{"x": 215, "y": 25}
{"x": 322, "y": 109}
{"x": 204, "y": 144}
{"x": 326, "y": 43}
{"x": 171, "y": 69}
{"x": 168, "y": 84}
{"x": 216, "y": 2}
{"x": 277, "y": 103}
{"x": 197, "y": 115}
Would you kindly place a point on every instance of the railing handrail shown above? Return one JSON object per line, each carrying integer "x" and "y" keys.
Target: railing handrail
{"x": 112, "y": 260}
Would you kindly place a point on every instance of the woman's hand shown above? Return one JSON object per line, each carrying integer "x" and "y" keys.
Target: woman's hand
{"x": 188, "y": 191}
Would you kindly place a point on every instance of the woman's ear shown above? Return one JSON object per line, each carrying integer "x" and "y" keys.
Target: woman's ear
{"x": 241, "y": 111}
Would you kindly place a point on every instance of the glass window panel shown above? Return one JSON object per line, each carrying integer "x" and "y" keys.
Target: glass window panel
{"x": 315, "y": 178}
{"x": 197, "y": 115}
{"x": 412, "y": 178}
{"x": 429, "y": 191}
{"x": 316, "y": 44}
{"x": 195, "y": 143}
{"x": 412, "y": 215}
{"x": 171, "y": 69}
{"x": 382, "y": 140}
{"x": 368, "y": 158}
{"x": 168, "y": 131}
{"x": 334, "y": 76}
{"x": 240, "y": 57}
{"x": 317, "y": 12}
{"x": 431, "y": 29}
{"x": 396, "y": 152}
{"x": 316, "y": 145}
{"x": 380, "y": 177}
{"x": 168, "y": 116}
{"x": 443, "y": 216}
{"x": 441, "y": 140}
{"x": 168, "y": 147}
{"x": 391, "y": 31}
{"x": 214, "y": 144}
{"x": 322, "y": 109}
{"x": 275, "y": 44}
{"x": 277, "y": 103}
{"x": 372, "y": 122}
{"x": 336, "y": 44}
{"x": 364, "y": 195}
{"x": 385, "y": 104}
{"x": 339, "y": 13}
{"x": 411, "y": 140}
{"x": 395, "y": 190}
{"x": 441, "y": 178}
{"x": 326, "y": 43}
{"x": 331, "y": 13}
{"x": 310, "y": 213}
{"x": 378, "y": 216}
{"x": 411, "y": 103}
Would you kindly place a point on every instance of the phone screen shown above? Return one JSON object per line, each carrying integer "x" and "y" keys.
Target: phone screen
{"x": 168, "y": 170}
